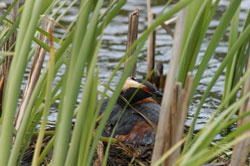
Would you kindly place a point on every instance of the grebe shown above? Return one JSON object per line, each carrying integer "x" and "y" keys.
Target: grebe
{"x": 133, "y": 128}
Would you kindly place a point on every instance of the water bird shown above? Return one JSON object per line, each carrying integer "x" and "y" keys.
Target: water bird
{"x": 133, "y": 127}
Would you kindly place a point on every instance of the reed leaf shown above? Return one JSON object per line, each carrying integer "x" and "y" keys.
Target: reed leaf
{"x": 78, "y": 50}
{"x": 78, "y": 59}
{"x": 47, "y": 102}
{"x": 208, "y": 133}
{"x": 16, "y": 72}
{"x": 220, "y": 30}
{"x": 231, "y": 66}
{"x": 194, "y": 39}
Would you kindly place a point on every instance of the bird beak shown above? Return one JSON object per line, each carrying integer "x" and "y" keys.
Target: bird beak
{"x": 157, "y": 93}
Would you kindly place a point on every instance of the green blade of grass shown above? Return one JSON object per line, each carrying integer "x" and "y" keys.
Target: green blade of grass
{"x": 231, "y": 66}
{"x": 141, "y": 40}
{"x": 208, "y": 133}
{"x": 38, "y": 91}
{"x": 76, "y": 67}
{"x": 47, "y": 103}
{"x": 219, "y": 32}
{"x": 82, "y": 116}
{"x": 16, "y": 73}
{"x": 194, "y": 40}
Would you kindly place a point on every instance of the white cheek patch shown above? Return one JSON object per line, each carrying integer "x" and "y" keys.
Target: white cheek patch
{"x": 131, "y": 84}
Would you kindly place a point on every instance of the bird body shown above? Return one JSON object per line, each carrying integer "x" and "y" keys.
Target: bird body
{"x": 132, "y": 127}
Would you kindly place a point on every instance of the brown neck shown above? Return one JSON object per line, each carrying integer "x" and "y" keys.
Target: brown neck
{"x": 146, "y": 100}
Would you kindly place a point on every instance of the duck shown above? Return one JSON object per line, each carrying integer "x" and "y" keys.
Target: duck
{"x": 137, "y": 120}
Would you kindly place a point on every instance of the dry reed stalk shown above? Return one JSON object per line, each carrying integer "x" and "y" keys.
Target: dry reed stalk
{"x": 178, "y": 116}
{"x": 34, "y": 73}
{"x": 151, "y": 42}
{"x": 175, "y": 106}
{"x": 8, "y": 47}
{"x": 169, "y": 21}
{"x": 100, "y": 154}
{"x": 184, "y": 105}
{"x": 151, "y": 48}
{"x": 148, "y": 10}
{"x": 1, "y": 93}
{"x": 160, "y": 78}
{"x": 163, "y": 125}
{"x": 157, "y": 74}
{"x": 241, "y": 150}
{"x": 132, "y": 36}
{"x": 162, "y": 82}
{"x": 174, "y": 118}
{"x": 172, "y": 20}
{"x": 168, "y": 29}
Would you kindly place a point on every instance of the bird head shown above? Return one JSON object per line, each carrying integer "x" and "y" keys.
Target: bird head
{"x": 145, "y": 90}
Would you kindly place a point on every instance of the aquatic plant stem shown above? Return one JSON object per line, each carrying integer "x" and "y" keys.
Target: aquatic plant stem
{"x": 163, "y": 125}
{"x": 143, "y": 37}
{"x": 47, "y": 102}
{"x": 220, "y": 30}
{"x": 28, "y": 24}
{"x": 241, "y": 149}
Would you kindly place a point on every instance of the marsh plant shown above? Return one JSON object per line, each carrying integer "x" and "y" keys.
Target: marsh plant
{"x": 78, "y": 50}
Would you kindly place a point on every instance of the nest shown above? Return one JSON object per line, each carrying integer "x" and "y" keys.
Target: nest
{"x": 123, "y": 154}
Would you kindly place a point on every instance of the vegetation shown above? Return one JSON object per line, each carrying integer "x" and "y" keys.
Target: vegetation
{"x": 78, "y": 51}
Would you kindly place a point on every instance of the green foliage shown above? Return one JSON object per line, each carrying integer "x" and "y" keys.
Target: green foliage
{"x": 78, "y": 50}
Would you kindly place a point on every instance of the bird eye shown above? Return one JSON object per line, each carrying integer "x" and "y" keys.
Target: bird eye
{"x": 145, "y": 89}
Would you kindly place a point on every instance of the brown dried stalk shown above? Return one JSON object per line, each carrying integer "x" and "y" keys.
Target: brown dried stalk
{"x": 132, "y": 36}
{"x": 164, "y": 125}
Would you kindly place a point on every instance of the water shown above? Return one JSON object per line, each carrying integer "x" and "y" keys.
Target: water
{"x": 114, "y": 46}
